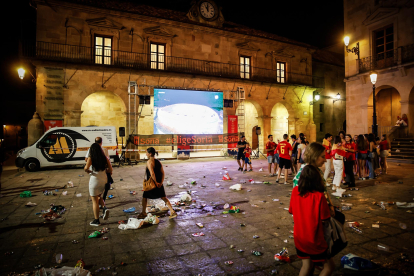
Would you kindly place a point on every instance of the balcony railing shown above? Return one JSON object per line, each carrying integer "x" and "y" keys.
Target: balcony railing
{"x": 140, "y": 61}
{"x": 396, "y": 57}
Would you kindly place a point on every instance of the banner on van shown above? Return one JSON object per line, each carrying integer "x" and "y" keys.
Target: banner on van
{"x": 184, "y": 139}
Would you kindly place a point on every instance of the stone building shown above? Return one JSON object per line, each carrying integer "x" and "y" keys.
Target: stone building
{"x": 382, "y": 39}
{"x": 86, "y": 53}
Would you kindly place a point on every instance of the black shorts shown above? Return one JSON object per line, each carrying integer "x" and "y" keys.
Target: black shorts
{"x": 240, "y": 155}
{"x": 318, "y": 258}
{"x": 284, "y": 163}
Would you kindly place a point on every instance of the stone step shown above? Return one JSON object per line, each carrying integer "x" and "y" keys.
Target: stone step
{"x": 403, "y": 149}
{"x": 397, "y": 160}
{"x": 404, "y": 139}
{"x": 402, "y": 153}
{"x": 401, "y": 156}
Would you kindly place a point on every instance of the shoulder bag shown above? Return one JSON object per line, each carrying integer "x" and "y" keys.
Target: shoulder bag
{"x": 149, "y": 184}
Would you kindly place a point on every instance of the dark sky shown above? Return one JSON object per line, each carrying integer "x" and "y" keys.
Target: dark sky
{"x": 319, "y": 23}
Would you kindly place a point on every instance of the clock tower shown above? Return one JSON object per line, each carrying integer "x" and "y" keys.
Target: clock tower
{"x": 206, "y": 12}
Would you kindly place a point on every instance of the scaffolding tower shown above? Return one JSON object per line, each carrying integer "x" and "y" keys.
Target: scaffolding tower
{"x": 240, "y": 96}
{"x": 133, "y": 94}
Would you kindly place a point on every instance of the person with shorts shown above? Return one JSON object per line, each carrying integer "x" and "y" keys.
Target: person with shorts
{"x": 294, "y": 153}
{"x": 270, "y": 152}
{"x": 247, "y": 160}
{"x": 311, "y": 214}
{"x": 284, "y": 149}
{"x": 241, "y": 145}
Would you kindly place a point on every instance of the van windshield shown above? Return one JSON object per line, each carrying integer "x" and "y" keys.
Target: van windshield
{"x": 49, "y": 139}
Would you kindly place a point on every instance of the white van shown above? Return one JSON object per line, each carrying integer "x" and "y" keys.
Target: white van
{"x": 66, "y": 146}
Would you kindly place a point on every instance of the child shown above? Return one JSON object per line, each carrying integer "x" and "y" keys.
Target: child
{"x": 247, "y": 160}
{"x": 285, "y": 151}
{"x": 310, "y": 212}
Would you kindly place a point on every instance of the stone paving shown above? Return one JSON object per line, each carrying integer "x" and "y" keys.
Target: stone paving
{"x": 169, "y": 248}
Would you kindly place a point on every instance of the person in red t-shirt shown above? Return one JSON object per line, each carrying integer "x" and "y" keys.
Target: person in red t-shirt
{"x": 384, "y": 153}
{"x": 310, "y": 212}
{"x": 327, "y": 144}
{"x": 350, "y": 149}
{"x": 271, "y": 159}
{"x": 247, "y": 160}
{"x": 284, "y": 149}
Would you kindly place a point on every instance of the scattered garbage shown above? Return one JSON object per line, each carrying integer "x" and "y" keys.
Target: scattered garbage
{"x": 217, "y": 185}
{"x": 81, "y": 175}
{"x": 94, "y": 234}
{"x": 266, "y": 182}
{"x": 236, "y": 187}
{"x": 256, "y": 237}
{"x": 70, "y": 184}
{"x": 354, "y": 262}
{"x": 261, "y": 169}
{"x": 403, "y": 225}
{"x": 283, "y": 255}
{"x": 200, "y": 225}
{"x": 64, "y": 193}
{"x": 185, "y": 197}
{"x": 224, "y": 168}
{"x": 75, "y": 242}
{"x": 226, "y": 177}
{"x": 346, "y": 206}
{"x": 275, "y": 199}
{"x": 169, "y": 183}
{"x": 226, "y": 206}
{"x": 257, "y": 253}
{"x": 78, "y": 195}
{"x": 59, "y": 258}
{"x": 64, "y": 270}
{"x": 31, "y": 204}
{"x": 240, "y": 250}
{"x": 129, "y": 210}
{"x": 132, "y": 192}
{"x": 375, "y": 225}
{"x": 193, "y": 182}
{"x": 228, "y": 262}
{"x": 383, "y": 247}
{"x": 134, "y": 223}
{"x": 404, "y": 204}
{"x": 198, "y": 234}
{"x": 111, "y": 196}
{"x": 242, "y": 224}
{"x": 273, "y": 272}
{"x": 26, "y": 194}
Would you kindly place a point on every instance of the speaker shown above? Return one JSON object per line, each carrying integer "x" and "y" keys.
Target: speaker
{"x": 258, "y": 131}
{"x": 121, "y": 132}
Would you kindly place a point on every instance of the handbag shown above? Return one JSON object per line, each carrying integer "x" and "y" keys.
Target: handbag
{"x": 149, "y": 184}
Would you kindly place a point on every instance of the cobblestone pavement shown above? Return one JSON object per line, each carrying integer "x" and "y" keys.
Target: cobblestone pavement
{"x": 169, "y": 248}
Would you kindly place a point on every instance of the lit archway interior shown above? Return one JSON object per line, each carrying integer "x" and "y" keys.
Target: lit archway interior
{"x": 280, "y": 123}
{"x": 103, "y": 109}
{"x": 252, "y": 118}
{"x": 388, "y": 107}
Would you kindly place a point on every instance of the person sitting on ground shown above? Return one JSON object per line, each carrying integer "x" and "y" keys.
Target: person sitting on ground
{"x": 402, "y": 121}
{"x": 285, "y": 151}
{"x": 241, "y": 145}
{"x": 311, "y": 214}
{"x": 155, "y": 171}
{"x": 247, "y": 160}
{"x": 100, "y": 164}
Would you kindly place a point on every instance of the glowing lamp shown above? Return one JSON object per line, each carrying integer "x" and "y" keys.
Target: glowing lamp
{"x": 346, "y": 41}
{"x": 21, "y": 72}
{"x": 338, "y": 96}
{"x": 317, "y": 97}
{"x": 373, "y": 77}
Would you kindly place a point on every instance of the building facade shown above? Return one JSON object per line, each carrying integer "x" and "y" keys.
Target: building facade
{"x": 382, "y": 39}
{"x": 87, "y": 53}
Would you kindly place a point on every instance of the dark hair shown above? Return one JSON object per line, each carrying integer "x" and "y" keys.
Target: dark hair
{"x": 377, "y": 138}
{"x": 99, "y": 161}
{"x": 350, "y": 137}
{"x": 310, "y": 180}
{"x": 385, "y": 136}
{"x": 337, "y": 140}
{"x": 327, "y": 135}
{"x": 285, "y": 136}
{"x": 306, "y": 142}
{"x": 293, "y": 136}
{"x": 343, "y": 132}
{"x": 268, "y": 136}
{"x": 98, "y": 140}
{"x": 152, "y": 151}
{"x": 361, "y": 145}
{"x": 302, "y": 140}
{"x": 301, "y": 134}
{"x": 242, "y": 137}
{"x": 371, "y": 137}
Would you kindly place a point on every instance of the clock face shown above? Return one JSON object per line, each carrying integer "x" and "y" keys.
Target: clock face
{"x": 207, "y": 10}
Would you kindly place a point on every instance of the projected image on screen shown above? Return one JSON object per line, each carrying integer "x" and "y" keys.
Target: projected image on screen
{"x": 188, "y": 112}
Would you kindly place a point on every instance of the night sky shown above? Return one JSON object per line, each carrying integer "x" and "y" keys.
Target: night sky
{"x": 319, "y": 23}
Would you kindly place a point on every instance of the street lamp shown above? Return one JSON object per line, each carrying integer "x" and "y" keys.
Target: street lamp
{"x": 338, "y": 97}
{"x": 373, "y": 77}
{"x": 354, "y": 50}
{"x": 317, "y": 97}
{"x": 21, "y": 72}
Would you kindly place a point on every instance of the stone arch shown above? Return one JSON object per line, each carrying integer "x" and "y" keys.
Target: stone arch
{"x": 411, "y": 112}
{"x": 253, "y": 116}
{"x": 388, "y": 107}
{"x": 279, "y": 123}
{"x": 103, "y": 108}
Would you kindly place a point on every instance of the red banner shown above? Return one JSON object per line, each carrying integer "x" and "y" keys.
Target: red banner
{"x": 232, "y": 127}
{"x": 52, "y": 123}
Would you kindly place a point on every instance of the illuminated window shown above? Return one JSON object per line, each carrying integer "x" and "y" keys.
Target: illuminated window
{"x": 103, "y": 50}
{"x": 281, "y": 72}
{"x": 245, "y": 67}
{"x": 384, "y": 43}
{"x": 157, "y": 56}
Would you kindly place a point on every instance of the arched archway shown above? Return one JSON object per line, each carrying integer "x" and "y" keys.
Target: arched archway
{"x": 388, "y": 107}
{"x": 103, "y": 108}
{"x": 253, "y": 116}
{"x": 280, "y": 123}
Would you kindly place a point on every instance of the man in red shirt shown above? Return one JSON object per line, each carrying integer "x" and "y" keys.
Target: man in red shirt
{"x": 350, "y": 149}
{"x": 327, "y": 144}
{"x": 284, "y": 149}
{"x": 271, "y": 159}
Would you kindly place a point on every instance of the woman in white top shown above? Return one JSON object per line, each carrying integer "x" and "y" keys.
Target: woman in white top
{"x": 100, "y": 165}
{"x": 301, "y": 146}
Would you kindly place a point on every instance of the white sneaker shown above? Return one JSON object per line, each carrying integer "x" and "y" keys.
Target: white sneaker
{"x": 285, "y": 183}
{"x": 282, "y": 174}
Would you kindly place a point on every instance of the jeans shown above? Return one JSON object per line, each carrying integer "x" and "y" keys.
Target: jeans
{"x": 349, "y": 172}
{"x": 371, "y": 168}
{"x": 327, "y": 168}
{"x": 339, "y": 169}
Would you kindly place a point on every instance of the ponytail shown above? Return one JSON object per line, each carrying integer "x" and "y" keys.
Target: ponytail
{"x": 152, "y": 151}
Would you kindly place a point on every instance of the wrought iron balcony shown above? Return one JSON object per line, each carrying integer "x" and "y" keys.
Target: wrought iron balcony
{"x": 401, "y": 55}
{"x": 141, "y": 61}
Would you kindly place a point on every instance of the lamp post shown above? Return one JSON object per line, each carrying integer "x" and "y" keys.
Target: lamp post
{"x": 373, "y": 77}
{"x": 354, "y": 50}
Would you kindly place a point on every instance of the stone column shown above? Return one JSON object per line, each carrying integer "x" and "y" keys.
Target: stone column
{"x": 292, "y": 126}
{"x": 311, "y": 126}
{"x": 35, "y": 129}
{"x": 72, "y": 118}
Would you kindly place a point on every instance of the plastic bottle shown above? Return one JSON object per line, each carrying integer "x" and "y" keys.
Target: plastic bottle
{"x": 383, "y": 247}
{"x": 129, "y": 210}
